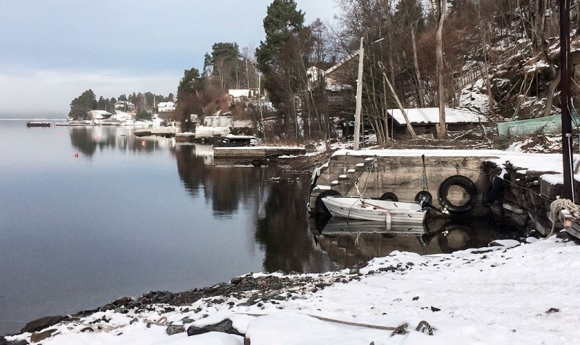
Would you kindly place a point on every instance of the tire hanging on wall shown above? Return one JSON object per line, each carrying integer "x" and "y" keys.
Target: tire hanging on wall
{"x": 389, "y": 196}
{"x": 319, "y": 206}
{"x": 493, "y": 192}
{"x": 426, "y": 194}
{"x": 463, "y": 182}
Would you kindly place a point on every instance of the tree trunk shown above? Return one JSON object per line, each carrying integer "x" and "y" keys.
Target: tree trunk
{"x": 420, "y": 94}
{"x": 386, "y": 113}
{"x": 551, "y": 90}
{"x": 441, "y": 129}
{"x": 485, "y": 56}
{"x": 399, "y": 104}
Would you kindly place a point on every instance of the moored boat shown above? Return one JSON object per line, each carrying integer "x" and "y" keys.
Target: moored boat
{"x": 391, "y": 212}
{"x": 38, "y": 124}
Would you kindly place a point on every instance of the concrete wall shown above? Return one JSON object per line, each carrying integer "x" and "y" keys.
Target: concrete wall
{"x": 403, "y": 175}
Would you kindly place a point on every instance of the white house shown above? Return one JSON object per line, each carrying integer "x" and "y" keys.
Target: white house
{"x": 165, "y": 107}
{"x": 237, "y": 95}
{"x": 125, "y": 106}
{"x": 99, "y": 115}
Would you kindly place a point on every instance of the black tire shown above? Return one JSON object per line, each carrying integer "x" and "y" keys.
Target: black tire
{"x": 426, "y": 194}
{"x": 455, "y": 236}
{"x": 468, "y": 187}
{"x": 493, "y": 192}
{"x": 319, "y": 206}
{"x": 389, "y": 196}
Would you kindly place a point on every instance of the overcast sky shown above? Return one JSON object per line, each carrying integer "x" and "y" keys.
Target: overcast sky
{"x": 53, "y": 50}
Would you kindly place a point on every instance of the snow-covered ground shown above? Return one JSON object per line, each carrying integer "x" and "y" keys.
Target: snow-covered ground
{"x": 510, "y": 293}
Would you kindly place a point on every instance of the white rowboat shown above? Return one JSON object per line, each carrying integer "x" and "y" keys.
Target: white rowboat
{"x": 391, "y": 212}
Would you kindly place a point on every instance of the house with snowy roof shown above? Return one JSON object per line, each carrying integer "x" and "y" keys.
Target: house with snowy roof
{"x": 99, "y": 116}
{"x": 424, "y": 120}
{"x": 241, "y": 95}
{"x": 165, "y": 107}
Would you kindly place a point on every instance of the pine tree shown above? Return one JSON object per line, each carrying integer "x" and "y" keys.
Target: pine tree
{"x": 281, "y": 22}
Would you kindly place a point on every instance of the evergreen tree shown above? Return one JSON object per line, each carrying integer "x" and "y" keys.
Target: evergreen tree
{"x": 226, "y": 64}
{"x": 142, "y": 114}
{"x": 190, "y": 83}
{"x": 80, "y": 106}
{"x": 281, "y": 22}
{"x": 282, "y": 58}
{"x": 188, "y": 96}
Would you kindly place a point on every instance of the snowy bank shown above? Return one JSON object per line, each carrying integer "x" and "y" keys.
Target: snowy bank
{"x": 510, "y": 293}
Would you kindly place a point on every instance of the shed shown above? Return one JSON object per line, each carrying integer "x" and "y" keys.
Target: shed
{"x": 425, "y": 119}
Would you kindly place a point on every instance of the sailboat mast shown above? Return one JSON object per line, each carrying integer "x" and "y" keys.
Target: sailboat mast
{"x": 568, "y": 192}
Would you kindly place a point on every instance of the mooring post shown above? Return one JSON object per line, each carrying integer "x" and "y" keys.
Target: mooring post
{"x": 568, "y": 192}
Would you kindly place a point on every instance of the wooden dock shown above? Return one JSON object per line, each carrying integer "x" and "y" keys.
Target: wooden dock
{"x": 162, "y": 132}
{"x": 256, "y": 152}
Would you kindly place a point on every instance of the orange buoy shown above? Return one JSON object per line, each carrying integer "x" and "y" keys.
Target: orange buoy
{"x": 143, "y": 143}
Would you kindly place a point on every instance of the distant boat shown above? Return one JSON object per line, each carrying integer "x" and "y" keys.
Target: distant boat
{"x": 390, "y": 212}
{"x": 38, "y": 124}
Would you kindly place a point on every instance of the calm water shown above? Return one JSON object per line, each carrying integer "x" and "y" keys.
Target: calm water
{"x": 88, "y": 215}
{"x": 130, "y": 215}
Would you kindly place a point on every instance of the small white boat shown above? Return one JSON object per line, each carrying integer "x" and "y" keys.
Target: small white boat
{"x": 390, "y": 212}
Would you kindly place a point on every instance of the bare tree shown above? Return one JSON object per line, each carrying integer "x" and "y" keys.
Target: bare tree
{"x": 441, "y": 129}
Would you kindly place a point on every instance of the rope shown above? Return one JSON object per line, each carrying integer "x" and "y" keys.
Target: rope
{"x": 556, "y": 206}
{"x": 425, "y": 185}
{"x": 401, "y": 329}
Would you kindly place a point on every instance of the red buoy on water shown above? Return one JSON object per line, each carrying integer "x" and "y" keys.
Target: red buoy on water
{"x": 76, "y": 155}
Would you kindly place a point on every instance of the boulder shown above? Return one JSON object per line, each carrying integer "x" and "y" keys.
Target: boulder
{"x": 225, "y": 326}
{"x": 174, "y": 329}
{"x": 38, "y": 337}
{"x": 42, "y": 323}
{"x": 194, "y": 330}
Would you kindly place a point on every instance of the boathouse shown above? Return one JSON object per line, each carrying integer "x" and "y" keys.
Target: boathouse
{"x": 424, "y": 120}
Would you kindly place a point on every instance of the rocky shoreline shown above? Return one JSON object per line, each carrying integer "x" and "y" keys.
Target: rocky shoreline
{"x": 486, "y": 294}
{"x": 247, "y": 290}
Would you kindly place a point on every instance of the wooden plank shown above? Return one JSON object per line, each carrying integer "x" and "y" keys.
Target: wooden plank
{"x": 565, "y": 218}
{"x": 255, "y": 152}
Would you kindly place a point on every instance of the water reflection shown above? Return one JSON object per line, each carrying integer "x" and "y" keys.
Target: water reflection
{"x": 88, "y": 139}
{"x": 350, "y": 243}
{"x": 275, "y": 200}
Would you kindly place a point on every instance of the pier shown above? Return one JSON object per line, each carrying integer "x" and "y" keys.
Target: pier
{"x": 516, "y": 188}
{"x": 162, "y": 131}
{"x": 255, "y": 155}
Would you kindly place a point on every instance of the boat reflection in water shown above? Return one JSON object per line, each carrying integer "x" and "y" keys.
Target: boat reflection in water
{"x": 350, "y": 242}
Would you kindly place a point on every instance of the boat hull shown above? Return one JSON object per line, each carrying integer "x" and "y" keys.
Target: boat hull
{"x": 38, "y": 124}
{"x": 393, "y": 212}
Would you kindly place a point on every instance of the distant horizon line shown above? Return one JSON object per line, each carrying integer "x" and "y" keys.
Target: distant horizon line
{"x": 28, "y": 116}
{"x": 34, "y": 119}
